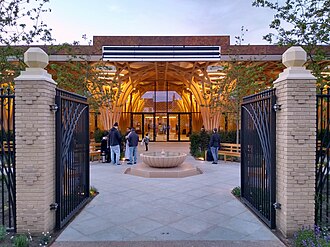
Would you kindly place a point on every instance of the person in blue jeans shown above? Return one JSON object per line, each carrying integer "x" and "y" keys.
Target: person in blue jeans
{"x": 114, "y": 143}
{"x": 133, "y": 141}
{"x": 215, "y": 145}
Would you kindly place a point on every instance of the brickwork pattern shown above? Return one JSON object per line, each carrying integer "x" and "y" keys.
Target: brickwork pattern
{"x": 35, "y": 155}
{"x": 295, "y": 154}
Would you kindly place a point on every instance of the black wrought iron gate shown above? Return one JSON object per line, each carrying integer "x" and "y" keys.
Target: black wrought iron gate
{"x": 258, "y": 154}
{"x": 322, "y": 197}
{"x": 72, "y": 155}
{"x": 7, "y": 160}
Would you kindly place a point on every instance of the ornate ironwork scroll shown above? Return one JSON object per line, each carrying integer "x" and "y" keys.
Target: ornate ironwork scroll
{"x": 72, "y": 155}
{"x": 258, "y": 128}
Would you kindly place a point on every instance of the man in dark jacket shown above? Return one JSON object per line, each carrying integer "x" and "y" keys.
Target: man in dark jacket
{"x": 133, "y": 141}
{"x": 215, "y": 145}
{"x": 114, "y": 143}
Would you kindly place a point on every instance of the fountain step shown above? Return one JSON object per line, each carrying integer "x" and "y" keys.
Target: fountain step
{"x": 181, "y": 171}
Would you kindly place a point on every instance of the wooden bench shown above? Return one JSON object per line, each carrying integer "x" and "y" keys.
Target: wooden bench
{"x": 95, "y": 151}
{"x": 229, "y": 150}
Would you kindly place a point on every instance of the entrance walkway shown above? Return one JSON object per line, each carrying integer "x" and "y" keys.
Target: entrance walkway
{"x": 191, "y": 211}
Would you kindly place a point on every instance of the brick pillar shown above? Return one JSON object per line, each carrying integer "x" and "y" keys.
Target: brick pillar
{"x": 296, "y": 143}
{"x": 35, "y": 144}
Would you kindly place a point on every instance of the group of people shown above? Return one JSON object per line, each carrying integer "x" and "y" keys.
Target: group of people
{"x": 111, "y": 143}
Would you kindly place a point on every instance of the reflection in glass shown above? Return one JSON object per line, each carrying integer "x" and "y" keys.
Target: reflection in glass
{"x": 173, "y": 101}
{"x": 137, "y": 124}
{"x": 173, "y": 127}
{"x": 161, "y": 126}
{"x": 184, "y": 127}
{"x": 149, "y": 126}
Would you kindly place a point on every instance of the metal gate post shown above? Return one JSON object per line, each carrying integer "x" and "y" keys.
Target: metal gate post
{"x": 295, "y": 138}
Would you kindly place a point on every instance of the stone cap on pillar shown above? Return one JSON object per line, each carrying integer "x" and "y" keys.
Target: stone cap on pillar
{"x": 295, "y": 56}
{"x": 294, "y": 59}
{"x": 36, "y": 60}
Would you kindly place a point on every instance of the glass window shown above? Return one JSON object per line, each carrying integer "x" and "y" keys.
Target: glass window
{"x": 148, "y": 101}
{"x": 174, "y": 102}
{"x": 161, "y": 104}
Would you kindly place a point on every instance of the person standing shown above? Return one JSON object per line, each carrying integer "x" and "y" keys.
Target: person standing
{"x": 114, "y": 143}
{"x": 146, "y": 140}
{"x": 128, "y": 131}
{"x": 133, "y": 141}
{"x": 105, "y": 152}
{"x": 215, "y": 145}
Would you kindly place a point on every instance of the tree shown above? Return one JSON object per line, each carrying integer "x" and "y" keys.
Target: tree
{"x": 239, "y": 79}
{"x": 242, "y": 79}
{"x": 305, "y": 23}
{"x": 20, "y": 24}
{"x": 97, "y": 81}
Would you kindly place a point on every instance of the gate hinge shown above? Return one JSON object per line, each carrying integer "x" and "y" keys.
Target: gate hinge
{"x": 276, "y": 107}
{"x": 53, "y": 206}
{"x": 277, "y": 205}
{"x": 53, "y": 107}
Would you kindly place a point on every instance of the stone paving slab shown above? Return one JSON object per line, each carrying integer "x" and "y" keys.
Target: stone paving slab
{"x": 191, "y": 211}
{"x": 224, "y": 243}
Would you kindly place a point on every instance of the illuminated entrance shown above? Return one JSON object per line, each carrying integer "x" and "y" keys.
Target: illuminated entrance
{"x": 161, "y": 88}
{"x": 163, "y": 126}
{"x": 167, "y": 86}
{"x": 164, "y": 110}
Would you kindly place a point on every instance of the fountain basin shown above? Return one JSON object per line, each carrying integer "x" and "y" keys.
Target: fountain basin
{"x": 163, "y": 159}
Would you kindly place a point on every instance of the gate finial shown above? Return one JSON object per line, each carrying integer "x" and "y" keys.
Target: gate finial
{"x": 35, "y": 57}
{"x": 294, "y": 59}
{"x": 295, "y": 56}
{"x": 36, "y": 60}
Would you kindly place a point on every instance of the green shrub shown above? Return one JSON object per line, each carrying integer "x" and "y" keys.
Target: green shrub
{"x": 199, "y": 141}
{"x": 228, "y": 137}
{"x": 194, "y": 144}
{"x": 236, "y": 191}
{"x": 20, "y": 241}
{"x": 3, "y": 232}
{"x": 205, "y": 137}
{"x": 307, "y": 237}
{"x": 93, "y": 191}
{"x": 45, "y": 238}
{"x": 98, "y": 134}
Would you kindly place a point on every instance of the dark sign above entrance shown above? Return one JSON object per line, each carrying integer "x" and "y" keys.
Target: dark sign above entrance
{"x": 161, "y": 53}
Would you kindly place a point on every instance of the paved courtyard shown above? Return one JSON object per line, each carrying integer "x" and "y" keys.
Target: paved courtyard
{"x": 194, "y": 210}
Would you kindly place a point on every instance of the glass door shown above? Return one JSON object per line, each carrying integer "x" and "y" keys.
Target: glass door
{"x": 185, "y": 126}
{"x": 149, "y": 126}
{"x": 161, "y": 126}
{"x": 137, "y": 124}
{"x": 173, "y": 127}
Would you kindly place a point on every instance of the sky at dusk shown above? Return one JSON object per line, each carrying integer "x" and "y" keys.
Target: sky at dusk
{"x": 70, "y": 19}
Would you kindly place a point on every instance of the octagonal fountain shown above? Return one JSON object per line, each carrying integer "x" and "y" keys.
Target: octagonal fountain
{"x": 163, "y": 159}
{"x": 163, "y": 165}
